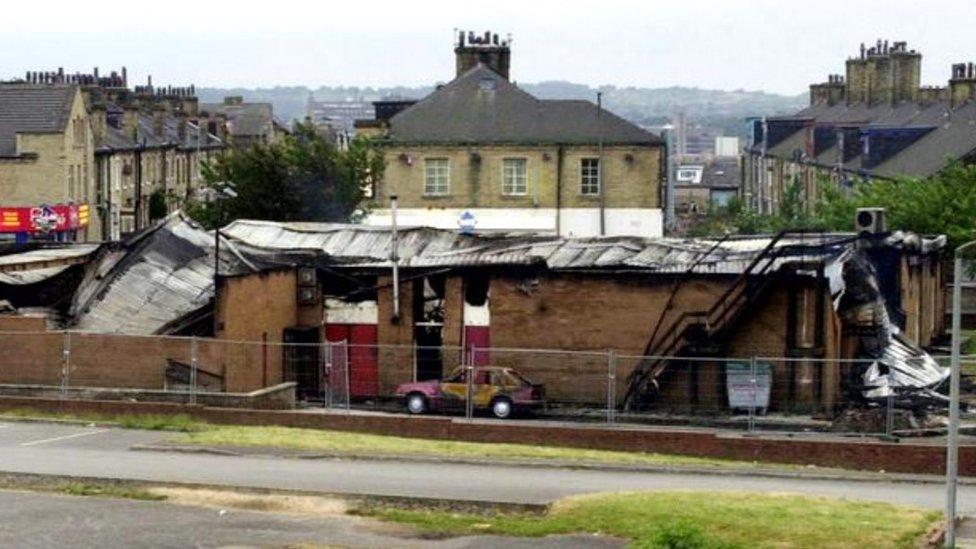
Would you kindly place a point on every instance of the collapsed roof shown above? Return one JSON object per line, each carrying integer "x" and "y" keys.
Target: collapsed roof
{"x": 154, "y": 282}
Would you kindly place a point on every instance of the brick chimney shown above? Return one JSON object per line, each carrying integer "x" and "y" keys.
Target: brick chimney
{"x": 831, "y": 92}
{"x": 486, "y": 49}
{"x": 884, "y": 73}
{"x": 962, "y": 85}
{"x": 99, "y": 118}
{"x": 130, "y": 122}
{"x": 159, "y": 121}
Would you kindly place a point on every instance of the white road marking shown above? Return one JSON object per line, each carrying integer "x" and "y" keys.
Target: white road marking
{"x": 65, "y": 437}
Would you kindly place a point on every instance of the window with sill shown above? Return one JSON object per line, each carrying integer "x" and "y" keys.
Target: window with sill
{"x": 514, "y": 177}
{"x": 437, "y": 177}
{"x": 590, "y": 176}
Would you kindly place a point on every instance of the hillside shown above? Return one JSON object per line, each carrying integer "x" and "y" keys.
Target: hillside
{"x": 725, "y": 109}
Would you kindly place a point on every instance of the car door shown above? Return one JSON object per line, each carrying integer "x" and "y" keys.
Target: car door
{"x": 454, "y": 389}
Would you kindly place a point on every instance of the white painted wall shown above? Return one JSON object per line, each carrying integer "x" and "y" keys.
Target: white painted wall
{"x": 338, "y": 311}
{"x": 646, "y": 222}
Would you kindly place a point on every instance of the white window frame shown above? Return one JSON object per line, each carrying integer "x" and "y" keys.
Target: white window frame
{"x": 437, "y": 183}
{"x": 513, "y": 182}
{"x": 590, "y": 184}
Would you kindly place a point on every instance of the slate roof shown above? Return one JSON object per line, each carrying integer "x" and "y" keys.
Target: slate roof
{"x": 954, "y": 136}
{"x": 117, "y": 139}
{"x": 480, "y": 106}
{"x": 32, "y": 109}
{"x": 244, "y": 119}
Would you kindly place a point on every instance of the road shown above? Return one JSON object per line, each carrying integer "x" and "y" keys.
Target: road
{"x": 79, "y": 450}
{"x": 52, "y": 521}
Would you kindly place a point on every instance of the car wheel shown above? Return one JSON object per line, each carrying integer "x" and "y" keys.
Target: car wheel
{"x": 416, "y": 403}
{"x": 501, "y": 408}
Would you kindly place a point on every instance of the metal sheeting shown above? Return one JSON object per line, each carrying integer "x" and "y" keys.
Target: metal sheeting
{"x": 42, "y": 255}
{"x": 363, "y": 246}
{"x": 31, "y": 276}
{"x": 158, "y": 277}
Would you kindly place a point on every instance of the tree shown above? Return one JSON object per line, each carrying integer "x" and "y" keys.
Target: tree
{"x": 942, "y": 204}
{"x": 303, "y": 177}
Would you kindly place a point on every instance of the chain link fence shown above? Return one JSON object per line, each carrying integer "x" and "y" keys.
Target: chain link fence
{"x": 794, "y": 394}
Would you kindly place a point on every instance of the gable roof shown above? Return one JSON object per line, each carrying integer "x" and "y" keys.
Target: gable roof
{"x": 480, "y": 106}
{"x": 954, "y": 136}
{"x": 32, "y": 109}
{"x": 244, "y": 119}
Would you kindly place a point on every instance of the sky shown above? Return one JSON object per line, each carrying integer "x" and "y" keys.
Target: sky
{"x": 778, "y": 46}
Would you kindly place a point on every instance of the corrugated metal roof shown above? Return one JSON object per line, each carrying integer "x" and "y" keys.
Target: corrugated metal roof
{"x": 363, "y": 246}
{"x": 158, "y": 277}
{"x": 45, "y": 255}
{"x": 31, "y": 276}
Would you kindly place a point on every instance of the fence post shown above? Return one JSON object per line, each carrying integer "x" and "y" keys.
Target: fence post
{"x": 469, "y": 389}
{"x": 345, "y": 360}
{"x": 193, "y": 370}
{"x": 329, "y": 396}
{"x": 755, "y": 394}
{"x": 65, "y": 362}
{"x": 413, "y": 361}
{"x": 611, "y": 386}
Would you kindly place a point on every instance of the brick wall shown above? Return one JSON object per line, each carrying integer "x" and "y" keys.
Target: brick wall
{"x": 251, "y": 309}
{"x": 860, "y": 454}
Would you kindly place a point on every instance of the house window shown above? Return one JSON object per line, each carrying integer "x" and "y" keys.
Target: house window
{"x": 437, "y": 177}
{"x": 590, "y": 176}
{"x": 514, "y": 180}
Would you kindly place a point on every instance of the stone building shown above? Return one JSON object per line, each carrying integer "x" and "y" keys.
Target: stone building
{"x": 129, "y": 145}
{"x": 876, "y": 121}
{"x": 481, "y": 154}
{"x": 47, "y": 183}
{"x": 246, "y": 123}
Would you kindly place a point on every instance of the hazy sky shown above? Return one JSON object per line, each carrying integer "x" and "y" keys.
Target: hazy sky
{"x": 777, "y": 46}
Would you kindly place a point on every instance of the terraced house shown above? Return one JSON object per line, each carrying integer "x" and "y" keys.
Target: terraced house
{"x": 480, "y": 154}
{"x": 875, "y": 121}
{"x": 47, "y": 186}
{"x": 83, "y": 157}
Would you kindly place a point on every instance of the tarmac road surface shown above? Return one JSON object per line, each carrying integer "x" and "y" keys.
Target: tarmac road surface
{"x": 79, "y": 450}
{"x": 53, "y": 521}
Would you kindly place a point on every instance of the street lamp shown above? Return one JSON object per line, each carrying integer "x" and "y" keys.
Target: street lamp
{"x": 220, "y": 192}
{"x": 952, "y": 445}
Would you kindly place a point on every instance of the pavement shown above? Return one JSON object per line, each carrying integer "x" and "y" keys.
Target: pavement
{"x": 38, "y": 520}
{"x": 100, "y": 452}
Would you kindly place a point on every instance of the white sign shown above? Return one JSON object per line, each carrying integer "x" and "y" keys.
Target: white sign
{"x": 746, "y": 391}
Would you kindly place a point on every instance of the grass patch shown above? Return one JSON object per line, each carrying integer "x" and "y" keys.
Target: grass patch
{"x": 696, "y": 520}
{"x": 109, "y": 491}
{"x": 365, "y": 444}
{"x": 152, "y": 422}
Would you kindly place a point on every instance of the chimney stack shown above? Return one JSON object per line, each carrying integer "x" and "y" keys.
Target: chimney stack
{"x": 486, "y": 49}
{"x": 962, "y": 85}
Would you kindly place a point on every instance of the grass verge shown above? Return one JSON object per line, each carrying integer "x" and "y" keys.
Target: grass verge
{"x": 108, "y": 491}
{"x": 695, "y": 520}
{"x": 152, "y": 422}
{"x": 377, "y": 445}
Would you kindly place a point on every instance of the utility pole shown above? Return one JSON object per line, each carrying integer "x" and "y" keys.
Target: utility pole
{"x": 952, "y": 445}
{"x": 395, "y": 256}
{"x": 599, "y": 163}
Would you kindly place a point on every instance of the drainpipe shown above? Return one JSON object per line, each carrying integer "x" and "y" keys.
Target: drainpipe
{"x": 599, "y": 162}
{"x": 559, "y": 189}
{"x": 394, "y": 257}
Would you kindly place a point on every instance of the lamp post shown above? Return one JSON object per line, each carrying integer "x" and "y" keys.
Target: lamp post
{"x": 952, "y": 445}
{"x": 224, "y": 191}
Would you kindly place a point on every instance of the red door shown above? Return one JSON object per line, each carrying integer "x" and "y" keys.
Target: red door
{"x": 363, "y": 361}
{"x": 477, "y": 338}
